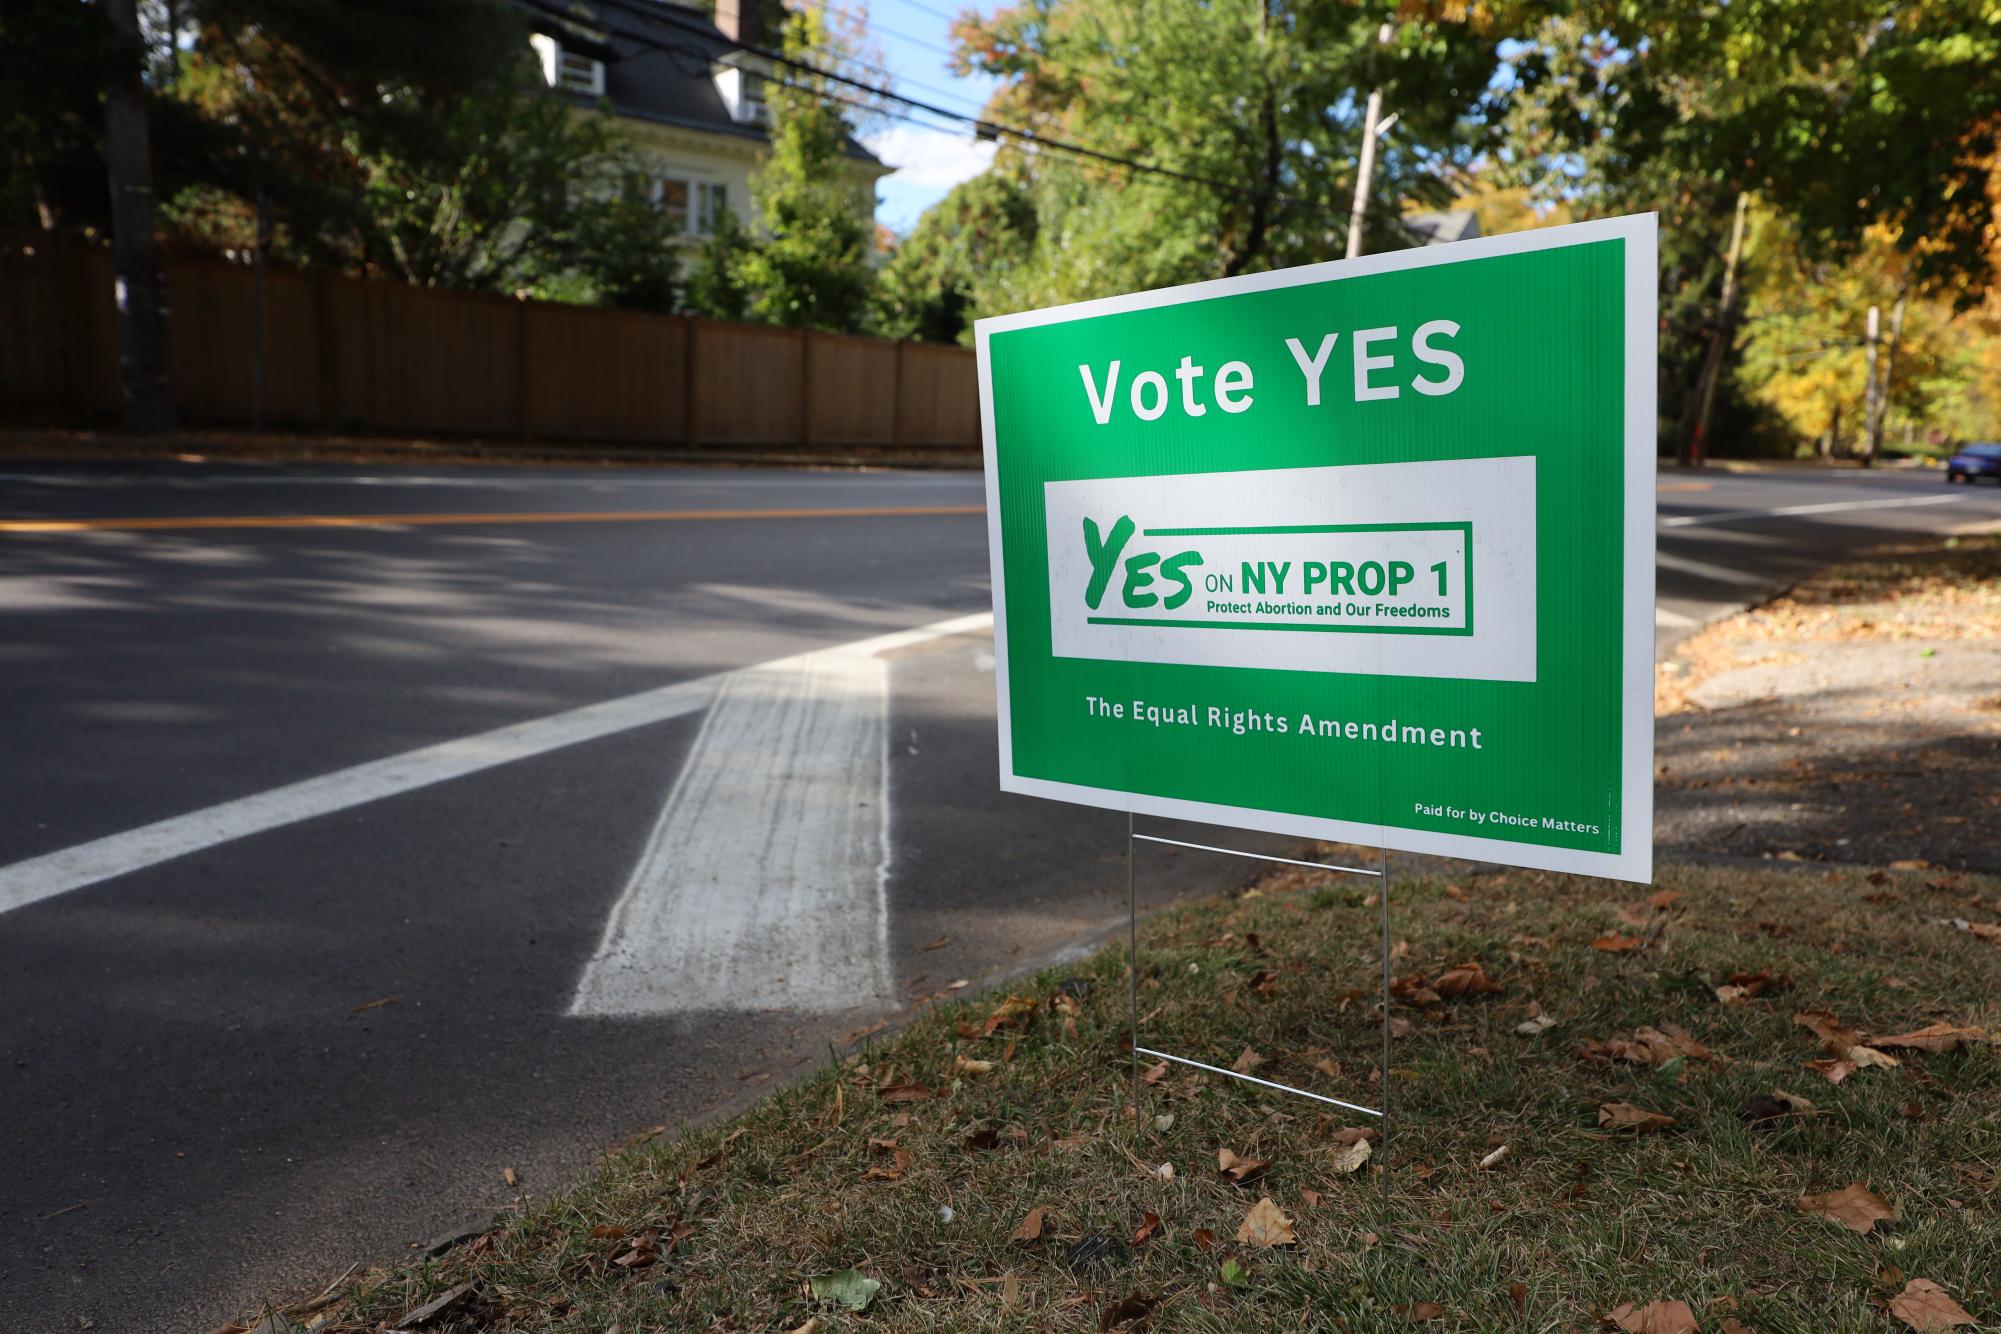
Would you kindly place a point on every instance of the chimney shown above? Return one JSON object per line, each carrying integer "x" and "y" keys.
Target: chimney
{"x": 741, "y": 20}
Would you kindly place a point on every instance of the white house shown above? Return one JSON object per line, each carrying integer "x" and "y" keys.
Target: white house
{"x": 694, "y": 112}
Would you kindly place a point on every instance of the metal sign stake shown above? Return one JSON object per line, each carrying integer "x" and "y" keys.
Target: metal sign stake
{"x": 1381, "y": 875}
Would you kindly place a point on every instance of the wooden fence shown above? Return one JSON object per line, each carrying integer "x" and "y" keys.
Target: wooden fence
{"x": 357, "y": 354}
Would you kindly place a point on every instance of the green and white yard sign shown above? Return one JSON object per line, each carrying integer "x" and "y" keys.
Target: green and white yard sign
{"x": 1359, "y": 551}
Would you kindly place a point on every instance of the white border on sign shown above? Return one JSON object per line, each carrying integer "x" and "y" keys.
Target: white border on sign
{"x": 1634, "y": 860}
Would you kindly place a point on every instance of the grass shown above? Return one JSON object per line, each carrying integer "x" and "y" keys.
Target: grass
{"x": 729, "y": 1224}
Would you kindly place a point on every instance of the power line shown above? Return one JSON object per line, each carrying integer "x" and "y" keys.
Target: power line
{"x": 1052, "y": 58}
{"x": 935, "y": 13}
{"x": 986, "y": 128}
{"x": 895, "y": 77}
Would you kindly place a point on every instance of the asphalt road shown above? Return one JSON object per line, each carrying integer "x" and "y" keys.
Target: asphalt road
{"x": 409, "y": 790}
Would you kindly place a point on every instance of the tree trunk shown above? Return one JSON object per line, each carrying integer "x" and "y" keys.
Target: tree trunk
{"x": 1695, "y": 441}
{"x": 1882, "y": 410}
{"x": 1869, "y": 391}
{"x": 142, "y": 304}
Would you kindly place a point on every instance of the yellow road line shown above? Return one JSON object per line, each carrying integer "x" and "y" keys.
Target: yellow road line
{"x": 422, "y": 520}
{"x": 1684, "y": 486}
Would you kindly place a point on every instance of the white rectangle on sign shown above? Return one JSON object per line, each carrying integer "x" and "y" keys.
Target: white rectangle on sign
{"x": 1383, "y": 569}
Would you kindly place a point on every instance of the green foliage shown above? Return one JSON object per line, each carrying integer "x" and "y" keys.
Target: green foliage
{"x": 407, "y": 140}
{"x": 976, "y": 234}
{"x": 811, "y": 267}
{"x": 53, "y": 61}
{"x": 1804, "y": 358}
{"x": 1842, "y": 116}
{"x": 485, "y": 199}
{"x": 715, "y": 282}
{"x": 1256, "y": 108}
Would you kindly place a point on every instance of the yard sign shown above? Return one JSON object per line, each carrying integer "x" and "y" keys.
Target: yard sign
{"x": 1358, "y": 551}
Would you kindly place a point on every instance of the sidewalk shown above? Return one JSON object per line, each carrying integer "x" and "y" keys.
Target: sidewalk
{"x": 1855, "y": 719}
{"x": 282, "y": 447}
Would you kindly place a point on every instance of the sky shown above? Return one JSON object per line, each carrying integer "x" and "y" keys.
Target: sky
{"x": 930, "y": 157}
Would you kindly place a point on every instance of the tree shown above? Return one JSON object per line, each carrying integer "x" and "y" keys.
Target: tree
{"x": 1804, "y": 360}
{"x": 1840, "y": 115}
{"x": 1251, "y": 112}
{"x": 408, "y": 140}
{"x": 142, "y": 299}
{"x": 811, "y": 267}
{"x": 978, "y": 232}
{"x": 715, "y": 282}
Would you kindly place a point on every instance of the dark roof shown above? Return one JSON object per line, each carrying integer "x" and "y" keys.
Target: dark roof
{"x": 672, "y": 87}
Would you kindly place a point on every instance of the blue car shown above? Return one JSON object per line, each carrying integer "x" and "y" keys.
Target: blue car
{"x": 1974, "y": 462}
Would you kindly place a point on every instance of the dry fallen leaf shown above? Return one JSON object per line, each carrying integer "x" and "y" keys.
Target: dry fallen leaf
{"x": 1925, "y": 1306}
{"x": 1617, "y": 944}
{"x": 1149, "y": 1225}
{"x": 1625, "y": 1116}
{"x": 1932, "y": 1037}
{"x": 1351, "y": 1157}
{"x": 1541, "y": 1023}
{"x": 1154, "y": 1073}
{"x": 1834, "y": 1070}
{"x": 966, "y": 1065}
{"x": 1237, "y": 1169}
{"x": 1031, "y": 1226}
{"x": 510, "y": 1176}
{"x": 1466, "y": 979}
{"x": 1828, "y": 1029}
{"x": 1419, "y": 1310}
{"x": 1654, "y": 1318}
{"x": 1647, "y": 1046}
{"x": 1265, "y": 1225}
{"x": 1867, "y": 1057}
{"x": 1137, "y": 1306}
{"x": 905, "y": 1093}
{"x": 1855, "y": 1207}
{"x": 1247, "y": 1062}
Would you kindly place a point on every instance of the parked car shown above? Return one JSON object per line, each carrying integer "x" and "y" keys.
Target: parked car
{"x": 1974, "y": 462}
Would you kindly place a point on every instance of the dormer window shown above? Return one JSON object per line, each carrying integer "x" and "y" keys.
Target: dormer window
{"x": 567, "y": 68}
{"x": 742, "y": 91}
{"x": 580, "y": 74}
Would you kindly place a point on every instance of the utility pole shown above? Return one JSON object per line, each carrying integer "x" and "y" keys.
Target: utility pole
{"x": 1366, "y": 171}
{"x": 1869, "y": 393}
{"x": 1881, "y": 405}
{"x": 1695, "y": 440}
{"x": 142, "y": 305}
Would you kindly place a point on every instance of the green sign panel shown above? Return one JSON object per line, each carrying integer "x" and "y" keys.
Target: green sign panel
{"x": 1358, "y": 551}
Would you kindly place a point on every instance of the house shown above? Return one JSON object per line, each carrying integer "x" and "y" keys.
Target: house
{"x": 1443, "y": 227}
{"x": 694, "y": 112}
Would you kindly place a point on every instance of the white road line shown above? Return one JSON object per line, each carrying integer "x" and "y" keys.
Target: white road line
{"x": 1829, "y": 507}
{"x": 762, "y": 886}
{"x": 1702, "y": 569}
{"x": 56, "y": 873}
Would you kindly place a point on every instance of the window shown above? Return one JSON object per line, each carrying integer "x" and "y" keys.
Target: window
{"x": 673, "y": 197}
{"x": 691, "y": 206}
{"x": 579, "y": 73}
{"x": 711, "y": 198}
{"x": 565, "y": 69}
